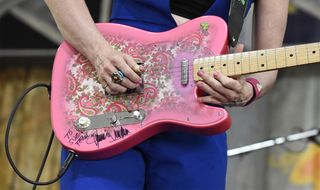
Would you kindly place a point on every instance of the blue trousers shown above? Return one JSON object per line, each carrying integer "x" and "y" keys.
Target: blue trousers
{"x": 167, "y": 161}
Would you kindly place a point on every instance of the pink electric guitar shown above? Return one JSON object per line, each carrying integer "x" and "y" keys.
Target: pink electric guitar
{"x": 95, "y": 125}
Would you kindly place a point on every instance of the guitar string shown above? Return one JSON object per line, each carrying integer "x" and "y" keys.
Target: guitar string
{"x": 240, "y": 54}
{"x": 226, "y": 60}
{"x": 205, "y": 66}
{"x": 227, "y": 57}
{"x": 177, "y": 69}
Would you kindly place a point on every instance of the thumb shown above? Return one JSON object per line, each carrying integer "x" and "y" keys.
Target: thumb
{"x": 239, "y": 48}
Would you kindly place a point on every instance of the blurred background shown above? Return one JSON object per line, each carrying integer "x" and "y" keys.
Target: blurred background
{"x": 28, "y": 42}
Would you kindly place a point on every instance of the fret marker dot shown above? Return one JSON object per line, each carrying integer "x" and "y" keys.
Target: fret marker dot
{"x": 224, "y": 65}
{"x": 201, "y": 68}
{"x": 262, "y": 65}
{"x": 238, "y": 63}
{"x": 212, "y": 66}
{"x": 313, "y": 52}
{"x": 291, "y": 55}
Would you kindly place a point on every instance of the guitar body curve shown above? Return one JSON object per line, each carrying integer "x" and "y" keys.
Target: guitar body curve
{"x": 167, "y": 103}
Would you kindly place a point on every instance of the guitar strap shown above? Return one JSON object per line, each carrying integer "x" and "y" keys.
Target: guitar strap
{"x": 235, "y": 20}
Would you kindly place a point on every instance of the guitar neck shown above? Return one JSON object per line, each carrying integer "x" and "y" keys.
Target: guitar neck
{"x": 258, "y": 61}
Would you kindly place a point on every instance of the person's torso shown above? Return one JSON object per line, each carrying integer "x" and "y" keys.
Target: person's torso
{"x": 155, "y": 15}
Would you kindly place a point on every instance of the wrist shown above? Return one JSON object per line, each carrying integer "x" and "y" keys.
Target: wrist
{"x": 90, "y": 44}
{"x": 256, "y": 89}
{"x": 98, "y": 53}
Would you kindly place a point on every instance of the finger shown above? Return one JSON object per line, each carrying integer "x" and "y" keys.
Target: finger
{"x": 228, "y": 82}
{"x": 107, "y": 72}
{"x": 217, "y": 86}
{"x": 109, "y": 91}
{"x": 106, "y": 88}
{"x": 125, "y": 82}
{"x": 114, "y": 87}
{"x": 203, "y": 86}
{"x": 236, "y": 77}
{"x": 134, "y": 66}
{"x": 209, "y": 100}
{"x": 239, "y": 48}
{"x": 101, "y": 78}
{"x": 129, "y": 84}
{"x": 128, "y": 71}
{"x": 105, "y": 78}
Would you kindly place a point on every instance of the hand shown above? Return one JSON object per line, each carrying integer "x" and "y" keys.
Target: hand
{"x": 223, "y": 90}
{"x": 108, "y": 61}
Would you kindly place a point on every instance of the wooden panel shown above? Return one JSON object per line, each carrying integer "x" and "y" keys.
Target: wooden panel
{"x": 31, "y": 128}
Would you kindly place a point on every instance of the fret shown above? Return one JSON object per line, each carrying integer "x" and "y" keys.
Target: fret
{"x": 230, "y": 64}
{"x": 253, "y": 60}
{"x": 313, "y": 52}
{"x": 271, "y": 59}
{"x": 196, "y": 68}
{"x": 245, "y": 63}
{"x": 238, "y": 63}
{"x": 201, "y": 64}
{"x": 290, "y": 53}
{"x": 280, "y": 58}
{"x": 262, "y": 60}
{"x": 206, "y": 65}
{"x": 302, "y": 54}
{"x": 256, "y": 61}
{"x": 223, "y": 61}
{"x": 211, "y": 65}
{"x": 217, "y": 63}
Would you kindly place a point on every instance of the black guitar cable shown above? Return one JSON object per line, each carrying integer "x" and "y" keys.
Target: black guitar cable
{"x": 66, "y": 163}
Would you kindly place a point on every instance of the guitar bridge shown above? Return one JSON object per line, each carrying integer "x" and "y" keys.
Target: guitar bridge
{"x": 111, "y": 119}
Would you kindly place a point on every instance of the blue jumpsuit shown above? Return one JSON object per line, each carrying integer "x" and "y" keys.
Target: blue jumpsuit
{"x": 171, "y": 160}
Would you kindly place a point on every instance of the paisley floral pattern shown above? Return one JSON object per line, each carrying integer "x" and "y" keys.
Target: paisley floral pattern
{"x": 84, "y": 95}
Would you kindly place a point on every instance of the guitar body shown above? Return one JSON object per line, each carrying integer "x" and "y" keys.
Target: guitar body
{"x": 167, "y": 104}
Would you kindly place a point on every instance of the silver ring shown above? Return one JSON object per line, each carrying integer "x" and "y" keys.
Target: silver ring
{"x": 117, "y": 76}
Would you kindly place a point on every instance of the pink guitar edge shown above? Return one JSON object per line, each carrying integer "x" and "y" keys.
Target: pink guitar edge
{"x": 96, "y": 126}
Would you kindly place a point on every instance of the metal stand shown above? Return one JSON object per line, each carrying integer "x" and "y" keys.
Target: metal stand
{"x": 310, "y": 134}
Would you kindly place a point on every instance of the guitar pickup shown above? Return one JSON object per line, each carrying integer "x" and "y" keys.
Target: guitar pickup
{"x": 110, "y": 119}
{"x": 184, "y": 72}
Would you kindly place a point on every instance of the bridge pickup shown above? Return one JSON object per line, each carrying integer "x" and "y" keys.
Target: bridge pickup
{"x": 184, "y": 72}
{"x": 111, "y": 119}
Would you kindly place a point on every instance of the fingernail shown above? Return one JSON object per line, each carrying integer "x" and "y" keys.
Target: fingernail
{"x": 199, "y": 84}
{"x": 215, "y": 74}
{"x": 142, "y": 68}
{"x": 200, "y": 73}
